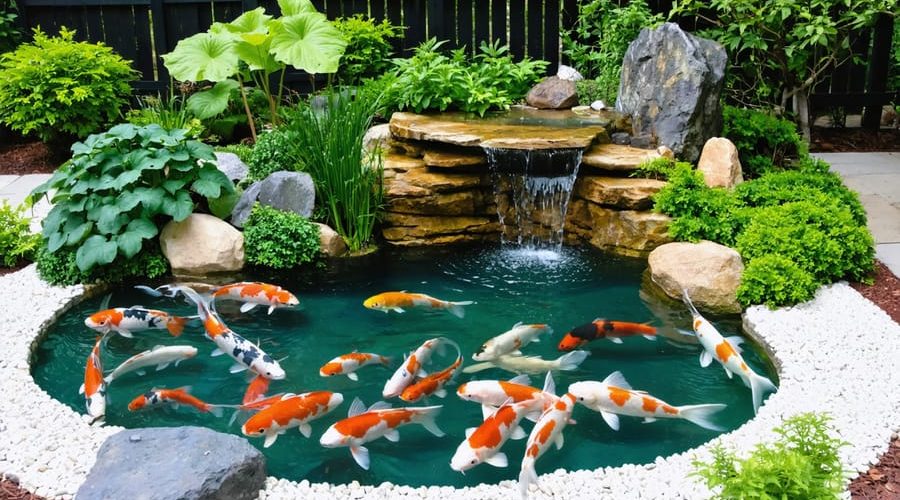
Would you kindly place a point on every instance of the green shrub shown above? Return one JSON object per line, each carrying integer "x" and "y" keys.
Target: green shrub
{"x": 765, "y": 142}
{"x": 16, "y": 240}
{"x": 60, "y": 268}
{"x": 121, "y": 186}
{"x": 774, "y": 279}
{"x": 802, "y": 463}
{"x": 274, "y": 151}
{"x": 55, "y": 87}
{"x": 278, "y": 239}
{"x": 241, "y": 150}
{"x": 369, "y": 47}
{"x": 9, "y": 32}
{"x": 167, "y": 113}
{"x": 590, "y": 90}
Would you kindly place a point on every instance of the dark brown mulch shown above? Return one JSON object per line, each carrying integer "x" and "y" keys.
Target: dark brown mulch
{"x": 884, "y": 292}
{"x": 840, "y": 140}
{"x": 7, "y": 270}
{"x": 11, "y": 491}
{"x": 26, "y": 158}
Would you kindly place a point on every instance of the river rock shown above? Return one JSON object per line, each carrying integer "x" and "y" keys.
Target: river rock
{"x": 710, "y": 272}
{"x": 378, "y": 136}
{"x": 553, "y": 93}
{"x": 175, "y": 463}
{"x": 619, "y": 192}
{"x": 330, "y": 242}
{"x": 568, "y": 73}
{"x": 232, "y": 166}
{"x": 288, "y": 191}
{"x": 720, "y": 163}
{"x": 202, "y": 244}
{"x": 671, "y": 83}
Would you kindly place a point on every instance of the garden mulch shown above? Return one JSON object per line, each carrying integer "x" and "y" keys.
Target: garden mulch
{"x": 26, "y": 158}
{"x": 9, "y": 490}
{"x": 856, "y": 140}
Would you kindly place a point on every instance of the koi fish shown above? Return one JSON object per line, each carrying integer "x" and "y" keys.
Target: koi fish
{"x": 181, "y": 396}
{"x": 254, "y": 294}
{"x": 531, "y": 364}
{"x": 727, "y": 352}
{"x": 614, "y": 397}
{"x": 412, "y": 366}
{"x": 604, "y": 328}
{"x": 397, "y": 301}
{"x": 94, "y": 387}
{"x": 548, "y": 429}
{"x": 432, "y": 384}
{"x": 379, "y": 420}
{"x": 347, "y": 364}
{"x": 261, "y": 403}
{"x": 511, "y": 341}
{"x": 493, "y": 393}
{"x": 482, "y": 445}
{"x": 124, "y": 320}
{"x": 292, "y": 410}
{"x": 159, "y": 356}
{"x": 256, "y": 389}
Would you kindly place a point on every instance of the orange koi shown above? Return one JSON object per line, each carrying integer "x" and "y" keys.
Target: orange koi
{"x": 292, "y": 410}
{"x": 604, "y": 328}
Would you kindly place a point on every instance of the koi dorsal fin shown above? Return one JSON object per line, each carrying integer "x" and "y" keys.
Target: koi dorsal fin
{"x": 549, "y": 384}
{"x": 380, "y": 405}
{"x": 616, "y": 379}
{"x": 356, "y": 407}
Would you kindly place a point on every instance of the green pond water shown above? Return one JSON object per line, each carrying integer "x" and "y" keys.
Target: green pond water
{"x": 564, "y": 290}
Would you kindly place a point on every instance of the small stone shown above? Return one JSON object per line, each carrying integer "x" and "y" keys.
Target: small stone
{"x": 330, "y": 242}
{"x": 710, "y": 273}
{"x": 644, "y": 141}
{"x": 378, "y": 136}
{"x": 598, "y": 105}
{"x": 720, "y": 163}
{"x": 568, "y": 73}
{"x": 621, "y": 138}
{"x": 134, "y": 438}
{"x": 553, "y": 93}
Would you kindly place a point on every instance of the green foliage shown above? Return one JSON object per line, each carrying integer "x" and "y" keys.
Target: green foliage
{"x": 596, "y": 44}
{"x": 802, "y": 463}
{"x": 9, "y": 32}
{"x": 348, "y": 182}
{"x": 60, "y": 268}
{"x": 274, "y": 151}
{"x": 368, "y": 49}
{"x": 242, "y": 151}
{"x": 894, "y": 70}
{"x": 55, "y": 86}
{"x": 590, "y": 90}
{"x": 278, "y": 239}
{"x": 774, "y": 279}
{"x": 120, "y": 186}
{"x": 16, "y": 241}
{"x": 432, "y": 80}
{"x": 765, "y": 142}
{"x": 167, "y": 113}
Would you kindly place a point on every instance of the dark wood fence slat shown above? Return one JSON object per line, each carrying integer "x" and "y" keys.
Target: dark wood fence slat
{"x": 482, "y": 23}
{"x": 535, "y": 33}
{"x": 414, "y": 19}
{"x": 551, "y": 34}
{"x": 94, "y": 27}
{"x": 160, "y": 39}
{"x": 464, "y": 24}
{"x": 517, "y": 28}
{"x": 879, "y": 62}
{"x": 394, "y": 15}
{"x": 498, "y": 21}
{"x": 376, "y": 10}
{"x": 569, "y": 17}
{"x": 143, "y": 61}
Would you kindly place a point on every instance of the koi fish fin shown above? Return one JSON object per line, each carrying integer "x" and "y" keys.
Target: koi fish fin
{"x": 759, "y": 385}
{"x": 149, "y": 291}
{"x": 421, "y": 373}
{"x": 81, "y": 389}
{"x": 611, "y": 419}
{"x": 687, "y": 300}
{"x": 518, "y": 433}
{"x": 305, "y": 429}
{"x": 470, "y": 431}
{"x": 356, "y": 407}
{"x": 487, "y": 411}
{"x": 559, "y": 441}
{"x": 248, "y": 306}
{"x": 520, "y": 379}
{"x": 549, "y": 384}
{"x": 141, "y": 372}
{"x": 648, "y": 420}
{"x": 570, "y": 361}
{"x": 215, "y": 410}
{"x": 498, "y": 460}
{"x": 533, "y": 416}
{"x": 441, "y": 393}
{"x": 614, "y": 340}
{"x": 736, "y": 341}
{"x": 271, "y": 308}
{"x": 395, "y": 309}
{"x": 527, "y": 477}
{"x": 730, "y": 375}
{"x": 106, "y": 380}
{"x": 124, "y": 333}
{"x": 456, "y": 308}
{"x": 705, "y": 358}
{"x": 162, "y": 366}
{"x": 270, "y": 439}
{"x": 649, "y": 337}
{"x": 477, "y": 367}
{"x": 353, "y": 376}
{"x": 700, "y": 415}
{"x": 535, "y": 339}
{"x": 234, "y": 416}
{"x": 379, "y": 405}
{"x": 392, "y": 435}
{"x": 237, "y": 368}
{"x": 361, "y": 456}
{"x": 176, "y": 325}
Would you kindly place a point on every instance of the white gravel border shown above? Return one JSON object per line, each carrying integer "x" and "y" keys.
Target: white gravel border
{"x": 837, "y": 353}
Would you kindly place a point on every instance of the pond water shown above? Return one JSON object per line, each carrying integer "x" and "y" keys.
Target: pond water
{"x": 564, "y": 289}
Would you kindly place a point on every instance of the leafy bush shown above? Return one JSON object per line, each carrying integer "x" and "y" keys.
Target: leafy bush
{"x": 274, "y": 151}
{"x": 120, "y": 186}
{"x": 278, "y": 239}
{"x": 55, "y": 87}
{"x": 9, "y": 32}
{"x": 774, "y": 279}
{"x": 802, "y": 463}
{"x": 431, "y": 80}
{"x": 590, "y": 90}
{"x": 61, "y": 268}
{"x": 167, "y": 113}
{"x": 368, "y": 49}
{"x": 348, "y": 182}
{"x": 241, "y": 150}
{"x": 16, "y": 241}
{"x": 765, "y": 142}
{"x": 597, "y": 42}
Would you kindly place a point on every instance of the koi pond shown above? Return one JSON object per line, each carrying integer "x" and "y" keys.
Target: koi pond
{"x": 562, "y": 289}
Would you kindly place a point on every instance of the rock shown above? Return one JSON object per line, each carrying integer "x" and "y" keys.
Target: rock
{"x": 378, "y": 136}
{"x": 568, "y": 73}
{"x": 720, "y": 164}
{"x": 242, "y": 208}
{"x": 889, "y": 116}
{"x": 330, "y": 242}
{"x": 628, "y": 193}
{"x": 175, "y": 463}
{"x": 621, "y": 138}
{"x": 401, "y": 163}
{"x": 232, "y": 166}
{"x": 671, "y": 84}
{"x": 625, "y": 232}
{"x": 643, "y": 141}
{"x": 709, "y": 271}
{"x": 598, "y": 105}
{"x": 202, "y": 244}
{"x": 288, "y": 191}
{"x": 553, "y": 93}
{"x": 617, "y": 157}
{"x": 415, "y": 230}
{"x": 454, "y": 159}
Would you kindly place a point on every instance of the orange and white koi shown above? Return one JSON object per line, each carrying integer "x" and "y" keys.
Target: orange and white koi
{"x": 412, "y": 366}
{"x": 727, "y": 352}
{"x": 254, "y": 294}
{"x": 432, "y": 384}
{"x": 614, "y": 397}
{"x": 159, "y": 356}
{"x": 493, "y": 393}
{"x": 511, "y": 341}
{"x": 181, "y": 396}
{"x": 604, "y": 329}
{"x": 548, "y": 429}
{"x": 94, "y": 387}
{"x": 379, "y": 420}
{"x": 347, "y": 364}
{"x": 400, "y": 301}
{"x": 482, "y": 444}
{"x": 531, "y": 364}
{"x": 256, "y": 389}
{"x": 293, "y": 410}
{"x": 124, "y": 320}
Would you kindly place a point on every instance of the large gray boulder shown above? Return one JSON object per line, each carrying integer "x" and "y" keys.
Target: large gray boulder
{"x": 232, "y": 166}
{"x": 288, "y": 191}
{"x": 173, "y": 464}
{"x": 671, "y": 82}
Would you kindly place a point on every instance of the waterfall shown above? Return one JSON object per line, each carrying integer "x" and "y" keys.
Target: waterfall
{"x": 532, "y": 189}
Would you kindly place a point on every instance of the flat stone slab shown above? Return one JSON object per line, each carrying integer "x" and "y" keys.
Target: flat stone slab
{"x": 620, "y": 192}
{"x": 491, "y": 134}
{"x": 446, "y": 159}
{"x": 17, "y": 189}
{"x": 617, "y": 157}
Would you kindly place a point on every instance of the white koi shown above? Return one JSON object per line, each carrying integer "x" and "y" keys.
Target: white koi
{"x": 511, "y": 341}
{"x": 159, "y": 356}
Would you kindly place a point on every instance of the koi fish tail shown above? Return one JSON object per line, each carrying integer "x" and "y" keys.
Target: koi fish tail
{"x": 427, "y": 417}
{"x": 176, "y": 325}
{"x": 702, "y": 415}
{"x": 527, "y": 477}
{"x": 456, "y": 308}
{"x": 218, "y": 410}
{"x": 687, "y": 301}
{"x": 570, "y": 361}
{"x": 238, "y": 416}
{"x": 759, "y": 386}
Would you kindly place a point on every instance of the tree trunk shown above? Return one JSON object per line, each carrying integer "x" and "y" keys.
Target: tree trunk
{"x": 801, "y": 107}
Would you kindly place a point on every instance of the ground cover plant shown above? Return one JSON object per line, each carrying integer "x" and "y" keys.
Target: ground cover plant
{"x": 369, "y": 48}
{"x": 168, "y": 113}
{"x": 17, "y": 243}
{"x": 279, "y": 239}
{"x": 275, "y": 150}
{"x": 765, "y": 142}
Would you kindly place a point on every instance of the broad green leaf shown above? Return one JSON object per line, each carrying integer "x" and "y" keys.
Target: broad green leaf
{"x": 206, "y": 189}
{"x": 222, "y": 206}
{"x": 58, "y": 214}
{"x": 152, "y": 198}
{"x": 293, "y": 7}
{"x": 254, "y": 49}
{"x": 252, "y": 21}
{"x": 111, "y": 219}
{"x": 95, "y": 250}
{"x": 179, "y": 206}
{"x": 142, "y": 227}
{"x": 56, "y": 241}
{"x": 129, "y": 244}
{"x": 79, "y": 233}
{"x": 126, "y": 178}
{"x": 204, "y": 56}
{"x": 125, "y": 131}
{"x": 172, "y": 185}
{"x": 128, "y": 200}
{"x": 308, "y": 42}
{"x": 211, "y": 173}
{"x": 211, "y": 102}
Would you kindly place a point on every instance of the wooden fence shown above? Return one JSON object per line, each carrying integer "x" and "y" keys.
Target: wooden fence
{"x": 142, "y": 30}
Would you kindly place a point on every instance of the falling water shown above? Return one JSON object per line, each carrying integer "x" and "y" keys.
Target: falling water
{"x": 532, "y": 190}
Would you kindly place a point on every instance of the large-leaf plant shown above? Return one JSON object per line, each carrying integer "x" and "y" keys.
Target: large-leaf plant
{"x": 121, "y": 185}
{"x": 253, "y": 48}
